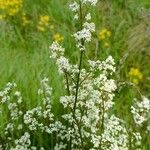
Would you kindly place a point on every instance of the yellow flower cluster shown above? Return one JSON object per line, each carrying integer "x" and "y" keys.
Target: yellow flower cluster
{"x": 57, "y": 37}
{"x": 43, "y": 23}
{"x": 103, "y": 36}
{"x": 135, "y": 75}
{"x": 9, "y": 7}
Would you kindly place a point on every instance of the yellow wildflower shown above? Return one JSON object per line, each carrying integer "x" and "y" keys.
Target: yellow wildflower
{"x": 10, "y": 7}
{"x": 135, "y": 75}
{"x": 43, "y": 23}
{"x": 102, "y": 37}
{"x": 103, "y": 34}
{"x": 135, "y": 72}
{"x": 58, "y": 38}
{"x": 44, "y": 18}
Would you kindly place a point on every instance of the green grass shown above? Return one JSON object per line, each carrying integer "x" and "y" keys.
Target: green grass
{"x": 25, "y": 52}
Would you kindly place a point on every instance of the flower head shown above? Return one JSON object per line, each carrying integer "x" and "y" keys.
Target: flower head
{"x": 10, "y": 7}
{"x": 103, "y": 34}
{"x": 57, "y": 37}
{"x": 135, "y": 75}
{"x": 43, "y": 23}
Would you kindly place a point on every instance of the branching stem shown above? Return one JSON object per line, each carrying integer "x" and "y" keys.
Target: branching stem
{"x": 78, "y": 76}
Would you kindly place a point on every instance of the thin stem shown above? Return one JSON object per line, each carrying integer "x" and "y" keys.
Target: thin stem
{"x": 102, "y": 125}
{"x": 81, "y": 137}
{"x": 67, "y": 83}
{"x": 80, "y": 62}
{"x": 71, "y": 78}
{"x": 84, "y": 79}
{"x": 77, "y": 85}
{"x": 78, "y": 76}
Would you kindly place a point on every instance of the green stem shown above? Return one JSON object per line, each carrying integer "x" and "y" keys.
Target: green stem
{"x": 67, "y": 83}
{"x": 77, "y": 85}
{"x": 78, "y": 77}
{"x": 102, "y": 125}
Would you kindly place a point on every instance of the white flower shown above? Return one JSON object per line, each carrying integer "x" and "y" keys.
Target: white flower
{"x": 23, "y": 143}
{"x": 63, "y": 64}
{"x": 56, "y": 50}
{"x": 115, "y": 134}
{"x": 88, "y": 17}
{"x": 76, "y": 17}
{"x": 140, "y": 111}
{"x": 20, "y": 126}
{"x": 84, "y": 34}
{"x": 110, "y": 85}
{"x": 89, "y": 26}
{"x": 17, "y": 93}
{"x": 74, "y": 6}
{"x": 92, "y": 2}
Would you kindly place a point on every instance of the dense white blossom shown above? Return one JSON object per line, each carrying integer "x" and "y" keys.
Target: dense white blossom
{"x": 85, "y": 33}
{"x": 89, "y": 26}
{"x": 56, "y": 50}
{"x": 141, "y": 111}
{"x": 63, "y": 64}
{"x": 87, "y": 120}
{"x": 115, "y": 134}
{"x": 23, "y": 143}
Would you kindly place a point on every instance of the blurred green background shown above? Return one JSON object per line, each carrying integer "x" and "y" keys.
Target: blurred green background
{"x": 26, "y": 35}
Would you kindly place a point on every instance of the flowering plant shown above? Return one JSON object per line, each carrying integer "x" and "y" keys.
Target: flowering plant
{"x": 87, "y": 121}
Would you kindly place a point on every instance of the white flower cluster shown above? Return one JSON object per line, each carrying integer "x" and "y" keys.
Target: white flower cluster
{"x": 57, "y": 52}
{"x": 87, "y": 28}
{"x": 136, "y": 140}
{"x": 32, "y": 117}
{"x": 88, "y": 17}
{"x": 63, "y": 64}
{"x": 115, "y": 134}
{"x": 74, "y": 7}
{"x": 92, "y": 2}
{"x": 12, "y": 100}
{"x": 23, "y": 143}
{"x": 4, "y": 94}
{"x": 141, "y": 111}
{"x": 90, "y": 99}
{"x": 85, "y": 33}
{"x": 87, "y": 121}
{"x": 39, "y": 119}
{"x": 95, "y": 97}
{"x": 14, "y": 108}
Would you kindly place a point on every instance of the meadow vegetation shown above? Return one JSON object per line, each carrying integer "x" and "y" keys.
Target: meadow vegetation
{"x": 32, "y": 37}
